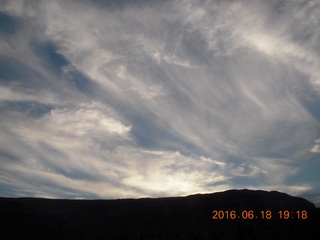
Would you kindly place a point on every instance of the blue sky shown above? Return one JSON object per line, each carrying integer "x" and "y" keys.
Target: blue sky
{"x": 103, "y": 99}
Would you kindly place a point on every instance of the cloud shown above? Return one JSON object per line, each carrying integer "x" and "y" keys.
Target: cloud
{"x": 276, "y": 170}
{"x": 316, "y": 147}
{"x": 160, "y": 99}
{"x": 288, "y": 37}
{"x": 79, "y": 122}
{"x": 7, "y": 95}
{"x": 57, "y": 159}
{"x": 171, "y": 173}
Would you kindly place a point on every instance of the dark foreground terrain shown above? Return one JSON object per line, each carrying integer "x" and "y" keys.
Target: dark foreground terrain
{"x": 255, "y": 216}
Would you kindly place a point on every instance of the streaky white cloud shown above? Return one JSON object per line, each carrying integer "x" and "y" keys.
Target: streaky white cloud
{"x": 64, "y": 153}
{"x": 278, "y": 41}
{"x": 275, "y": 170}
{"x": 303, "y": 59}
{"x": 99, "y": 55}
{"x": 79, "y": 122}
{"x": 71, "y": 129}
{"x": 316, "y": 147}
{"x": 6, "y": 94}
{"x": 54, "y": 161}
{"x": 157, "y": 51}
{"x": 171, "y": 173}
{"x": 228, "y": 27}
{"x": 41, "y": 183}
{"x": 9, "y": 95}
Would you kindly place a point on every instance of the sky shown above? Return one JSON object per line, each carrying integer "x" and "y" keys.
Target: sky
{"x": 129, "y": 99}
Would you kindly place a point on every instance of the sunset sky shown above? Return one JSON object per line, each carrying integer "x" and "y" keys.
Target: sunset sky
{"x": 128, "y": 99}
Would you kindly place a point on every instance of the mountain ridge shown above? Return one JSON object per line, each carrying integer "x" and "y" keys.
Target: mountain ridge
{"x": 167, "y": 197}
{"x": 239, "y": 214}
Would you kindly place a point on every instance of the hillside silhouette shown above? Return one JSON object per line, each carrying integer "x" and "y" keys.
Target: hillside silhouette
{"x": 189, "y": 217}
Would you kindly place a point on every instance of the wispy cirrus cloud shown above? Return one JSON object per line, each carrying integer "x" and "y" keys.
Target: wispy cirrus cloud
{"x": 316, "y": 148}
{"x": 158, "y": 99}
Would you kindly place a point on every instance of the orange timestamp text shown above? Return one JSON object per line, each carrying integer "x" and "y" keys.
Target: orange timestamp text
{"x": 266, "y": 214}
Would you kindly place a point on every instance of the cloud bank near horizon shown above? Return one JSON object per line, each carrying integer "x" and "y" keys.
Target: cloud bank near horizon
{"x": 159, "y": 98}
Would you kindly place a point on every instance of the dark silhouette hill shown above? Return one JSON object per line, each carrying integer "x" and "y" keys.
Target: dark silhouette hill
{"x": 188, "y": 217}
